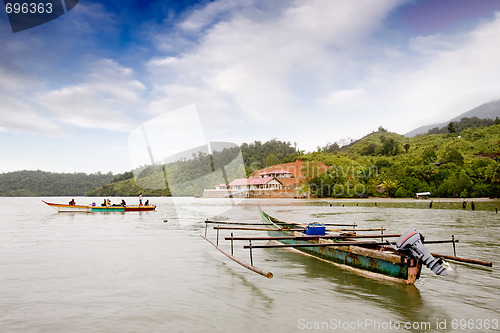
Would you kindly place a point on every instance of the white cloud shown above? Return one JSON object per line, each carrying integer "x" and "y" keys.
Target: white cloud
{"x": 306, "y": 71}
{"x": 456, "y": 79}
{"x": 19, "y": 116}
{"x": 211, "y": 13}
{"x": 320, "y": 65}
{"x": 255, "y": 69}
{"x": 106, "y": 100}
{"x": 17, "y": 111}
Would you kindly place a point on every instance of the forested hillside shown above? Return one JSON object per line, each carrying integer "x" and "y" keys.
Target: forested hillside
{"x": 388, "y": 164}
{"x": 191, "y": 176}
{"x": 464, "y": 123}
{"x": 259, "y": 155}
{"x": 463, "y": 162}
{"x": 41, "y": 183}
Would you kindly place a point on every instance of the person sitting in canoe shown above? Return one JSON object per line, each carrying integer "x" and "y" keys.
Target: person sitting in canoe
{"x": 105, "y": 203}
{"x": 72, "y": 202}
{"x": 146, "y": 203}
{"x": 123, "y": 203}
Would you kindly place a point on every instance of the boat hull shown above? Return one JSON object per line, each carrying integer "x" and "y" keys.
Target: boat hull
{"x": 374, "y": 262}
{"x": 65, "y": 208}
{"x": 139, "y": 208}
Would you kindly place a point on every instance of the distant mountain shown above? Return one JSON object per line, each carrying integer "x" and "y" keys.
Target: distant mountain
{"x": 487, "y": 110}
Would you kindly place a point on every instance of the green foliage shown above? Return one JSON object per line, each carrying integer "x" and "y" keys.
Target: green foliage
{"x": 445, "y": 165}
{"x": 463, "y": 124}
{"x": 428, "y": 155}
{"x": 40, "y": 183}
{"x": 123, "y": 176}
{"x": 271, "y": 159}
{"x": 369, "y": 149}
{"x": 330, "y": 148}
{"x": 127, "y": 188}
{"x": 451, "y": 128}
{"x": 389, "y": 146}
{"x": 381, "y": 129}
{"x": 453, "y": 156}
{"x": 255, "y": 154}
{"x": 190, "y": 176}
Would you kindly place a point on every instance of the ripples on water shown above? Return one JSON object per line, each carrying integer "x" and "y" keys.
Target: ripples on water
{"x": 134, "y": 272}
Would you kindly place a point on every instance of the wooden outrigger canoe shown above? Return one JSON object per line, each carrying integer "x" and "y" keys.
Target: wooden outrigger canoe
{"x": 401, "y": 261}
{"x": 66, "y": 208}
{"x": 376, "y": 260}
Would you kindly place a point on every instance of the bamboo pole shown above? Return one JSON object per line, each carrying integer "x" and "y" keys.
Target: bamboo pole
{"x": 311, "y": 237}
{"x": 313, "y": 245}
{"x": 340, "y": 243}
{"x": 441, "y": 241}
{"x": 354, "y": 230}
{"x": 338, "y": 224}
{"x": 262, "y": 272}
{"x": 470, "y": 261}
{"x": 234, "y": 223}
{"x": 325, "y": 224}
{"x": 244, "y": 228}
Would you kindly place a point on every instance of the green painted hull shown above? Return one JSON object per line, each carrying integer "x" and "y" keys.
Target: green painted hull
{"x": 107, "y": 209}
{"x": 373, "y": 261}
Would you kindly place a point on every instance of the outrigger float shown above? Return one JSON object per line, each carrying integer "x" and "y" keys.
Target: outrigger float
{"x": 66, "y": 208}
{"x": 400, "y": 261}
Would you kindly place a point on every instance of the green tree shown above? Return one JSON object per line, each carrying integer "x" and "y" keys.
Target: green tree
{"x": 388, "y": 146}
{"x": 453, "y": 156}
{"x": 390, "y": 186}
{"x": 451, "y": 128}
{"x": 271, "y": 159}
{"x": 369, "y": 149}
{"x": 330, "y": 148}
{"x": 428, "y": 155}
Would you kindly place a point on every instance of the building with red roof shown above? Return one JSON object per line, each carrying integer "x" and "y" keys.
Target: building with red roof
{"x": 282, "y": 180}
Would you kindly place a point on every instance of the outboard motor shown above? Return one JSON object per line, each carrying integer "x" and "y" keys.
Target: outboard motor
{"x": 411, "y": 243}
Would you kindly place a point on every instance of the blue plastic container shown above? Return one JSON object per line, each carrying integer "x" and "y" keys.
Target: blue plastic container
{"x": 315, "y": 229}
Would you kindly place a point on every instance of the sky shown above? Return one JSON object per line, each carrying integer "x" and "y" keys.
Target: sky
{"x": 73, "y": 90}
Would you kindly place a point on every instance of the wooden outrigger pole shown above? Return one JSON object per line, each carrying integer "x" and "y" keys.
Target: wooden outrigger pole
{"x": 339, "y": 243}
{"x": 280, "y": 222}
{"x": 257, "y": 270}
{"x": 312, "y": 237}
{"x": 466, "y": 260}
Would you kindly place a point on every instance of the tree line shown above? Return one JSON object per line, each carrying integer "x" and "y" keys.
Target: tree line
{"x": 464, "y": 162}
{"x": 388, "y": 164}
{"x": 29, "y": 183}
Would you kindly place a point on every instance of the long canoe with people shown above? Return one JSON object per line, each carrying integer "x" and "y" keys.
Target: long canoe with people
{"x": 105, "y": 207}
{"x": 373, "y": 255}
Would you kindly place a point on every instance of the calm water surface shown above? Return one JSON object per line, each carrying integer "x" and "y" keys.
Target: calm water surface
{"x": 134, "y": 272}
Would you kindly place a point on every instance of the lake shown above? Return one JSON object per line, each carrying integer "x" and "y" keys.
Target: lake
{"x": 134, "y": 272}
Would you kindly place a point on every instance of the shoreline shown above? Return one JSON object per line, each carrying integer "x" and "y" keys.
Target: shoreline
{"x": 404, "y": 200}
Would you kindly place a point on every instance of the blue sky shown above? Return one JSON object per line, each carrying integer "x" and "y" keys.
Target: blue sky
{"x": 310, "y": 72}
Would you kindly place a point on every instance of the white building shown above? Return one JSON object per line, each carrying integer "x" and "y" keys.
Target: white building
{"x": 276, "y": 174}
{"x": 254, "y": 183}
